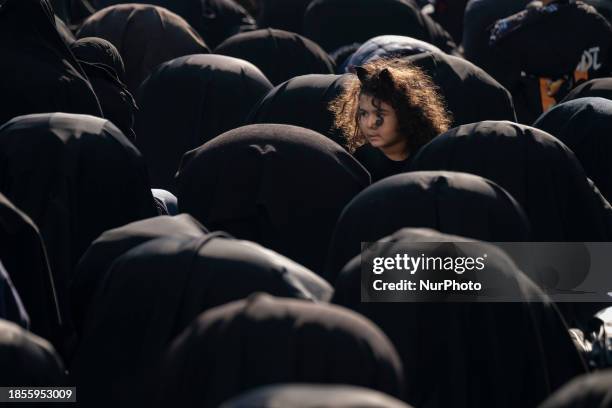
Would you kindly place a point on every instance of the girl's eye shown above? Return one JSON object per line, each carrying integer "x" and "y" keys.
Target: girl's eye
{"x": 379, "y": 120}
{"x": 362, "y": 114}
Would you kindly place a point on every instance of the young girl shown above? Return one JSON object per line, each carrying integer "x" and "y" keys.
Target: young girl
{"x": 387, "y": 112}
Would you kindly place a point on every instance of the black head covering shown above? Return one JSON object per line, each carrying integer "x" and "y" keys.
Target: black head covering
{"x": 585, "y": 126}
{"x": 603, "y": 7}
{"x": 99, "y": 51}
{"x": 558, "y": 42}
{"x": 11, "y": 307}
{"x": 303, "y": 101}
{"x": 188, "y": 101}
{"x": 598, "y": 87}
{"x": 470, "y": 354}
{"x": 588, "y": 391}
{"x": 145, "y": 36}
{"x": 38, "y": 72}
{"x": 280, "y": 55}
{"x": 252, "y": 6}
{"x": 116, "y": 100}
{"x": 104, "y": 66}
{"x": 313, "y": 396}
{"x": 549, "y": 41}
{"x": 336, "y": 23}
{"x": 73, "y": 12}
{"x": 28, "y": 360}
{"x": 480, "y": 16}
{"x": 24, "y": 256}
{"x": 282, "y": 14}
{"x": 64, "y": 31}
{"x": 215, "y": 20}
{"x": 387, "y": 46}
{"x": 163, "y": 285}
{"x": 471, "y": 95}
{"x": 95, "y": 263}
{"x": 478, "y": 19}
{"x": 538, "y": 170}
{"x": 449, "y": 14}
{"x": 455, "y": 203}
{"x": 166, "y": 201}
{"x": 76, "y": 176}
{"x": 344, "y": 53}
{"x": 281, "y": 186}
{"x": 265, "y": 340}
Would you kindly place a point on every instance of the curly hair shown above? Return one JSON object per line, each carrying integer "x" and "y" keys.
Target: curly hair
{"x": 419, "y": 107}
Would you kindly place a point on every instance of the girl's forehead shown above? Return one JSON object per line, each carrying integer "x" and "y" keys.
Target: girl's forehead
{"x": 369, "y": 102}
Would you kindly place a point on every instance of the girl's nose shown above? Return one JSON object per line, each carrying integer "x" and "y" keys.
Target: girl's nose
{"x": 372, "y": 121}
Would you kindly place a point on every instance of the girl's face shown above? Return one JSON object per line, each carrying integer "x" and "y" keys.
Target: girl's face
{"x": 379, "y": 124}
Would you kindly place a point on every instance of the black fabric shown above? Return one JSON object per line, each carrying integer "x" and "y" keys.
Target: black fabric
{"x": 64, "y": 31}
{"x": 280, "y": 341}
{"x": 214, "y": 20}
{"x": 313, "y": 396}
{"x": 76, "y": 176}
{"x": 538, "y": 170}
{"x": 104, "y": 67}
{"x": 549, "y": 41}
{"x": 165, "y": 284}
{"x": 252, "y": 6}
{"x": 24, "y": 256}
{"x": 145, "y": 36}
{"x": 378, "y": 164}
{"x": 38, "y": 72}
{"x": 11, "y": 307}
{"x": 336, "y": 23}
{"x": 385, "y": 46}
{"x": 73, "y": 12}
{"x": 598, "y": 87}
{"x": 527, "y": 93}
{"x": 188, "y": 101}
{"x": 28, "y": 360}
{"x": 280, "y": 55}
{"x": 166, "y": 200}
{"x": 101, "y": 4}
{"x": 303, "y": 101}
{"x": 479, "y": 18}
{"x": 99, "y": 51}
{"x": 563, "y": 42}
{"x": 279, "y": 185}
{"x": 454, "y": 203}
{"x": 603, "y": 7}
{"x": 342, "y": 54}
{"x": 471, "y": 95}
{"x": 116, "y": 100}
{"x": 449, "y": 14}
{"x": 100, "y": 255}
{"x": 585, "y": 126}
{"x": 470, "y": 354}
{"x": 160, "y": 206}
{"x": 587, "y": 391}
{"x": 282, "y": 14}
